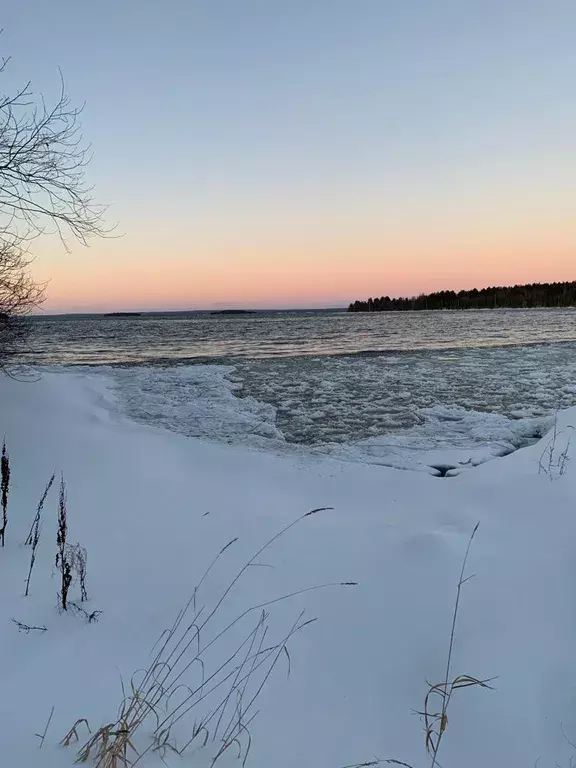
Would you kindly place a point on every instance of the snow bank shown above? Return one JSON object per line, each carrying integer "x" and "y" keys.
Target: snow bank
{"x": 153, "y": 508}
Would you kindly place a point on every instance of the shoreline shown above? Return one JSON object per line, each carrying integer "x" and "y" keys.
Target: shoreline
{"x": 205, "y": 402}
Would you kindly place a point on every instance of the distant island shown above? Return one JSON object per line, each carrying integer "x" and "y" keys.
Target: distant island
{"x": 532, "y": 295}
{"x": 234, "y": 312}
{"x": 123, "y": 314}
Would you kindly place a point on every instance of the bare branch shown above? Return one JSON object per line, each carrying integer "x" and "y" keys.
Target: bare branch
{"x": 43, "y": 190}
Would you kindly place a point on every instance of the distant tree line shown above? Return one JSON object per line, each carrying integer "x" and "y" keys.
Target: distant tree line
{"x": 517, "y": 296}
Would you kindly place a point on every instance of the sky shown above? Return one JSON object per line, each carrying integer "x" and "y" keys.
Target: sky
{"x": 275, "y": 153}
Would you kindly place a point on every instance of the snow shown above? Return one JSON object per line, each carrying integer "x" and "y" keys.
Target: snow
{"x": 197, "y": 400}
{"x": 154, "y": 507}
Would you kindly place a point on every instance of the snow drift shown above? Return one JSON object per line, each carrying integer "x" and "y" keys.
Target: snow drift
{"x": 153, "y": 509}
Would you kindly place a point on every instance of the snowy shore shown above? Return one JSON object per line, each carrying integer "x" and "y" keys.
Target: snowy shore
{"x": 153, "y": 508}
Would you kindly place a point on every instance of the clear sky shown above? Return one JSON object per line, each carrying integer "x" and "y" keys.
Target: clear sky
{"x": 310, "y": 152}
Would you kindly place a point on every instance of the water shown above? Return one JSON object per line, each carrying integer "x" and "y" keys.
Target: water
{"x": 94, "y": 339}
{"x": 383, "y": 388}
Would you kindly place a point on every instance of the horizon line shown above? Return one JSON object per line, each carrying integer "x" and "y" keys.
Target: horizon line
{"x": 57, "y": 313}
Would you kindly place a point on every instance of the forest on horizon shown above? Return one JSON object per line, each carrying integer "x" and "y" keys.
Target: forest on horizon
{"x": 532, "y": 295}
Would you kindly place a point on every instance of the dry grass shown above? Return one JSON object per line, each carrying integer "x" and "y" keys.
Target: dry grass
{"x": 111, "y": 746}
{"x": 63, "y": 562}
{"x": 439, "y": 695}
{"x": 71, "y": 559}
{"x": 378, "y": 761}
{"x": 436, "y": 722}
{"x": 436, "y": 719}
{"x": 556, "y": 455}
{"x": 196, "y": 692}
{"x": 73, "y": 732}
{"x": 62, "y": 523}
{"x": 36, "y": 522}
{"x": 90, "y": 616}
{"x": 77, "y": 556}
{"x": 4, "y": 489}
{"x": 33, "y": 538}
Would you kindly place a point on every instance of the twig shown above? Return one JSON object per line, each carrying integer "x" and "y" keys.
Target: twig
{"x": 26, "y": 629}
{"x": 43, "y": 735}
{"x": 91, "y": 617}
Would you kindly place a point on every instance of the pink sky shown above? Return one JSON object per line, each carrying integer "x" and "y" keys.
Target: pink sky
{"x": 290, "y": 281}
{"x": 313, "y": 155}
{"x": 297, "y": 264}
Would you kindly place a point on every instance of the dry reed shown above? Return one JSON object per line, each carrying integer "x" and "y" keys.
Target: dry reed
{"x": 4, "y": 489}
{"x": 33, "y": 538}
{"x": 62, "y": 559}
{"x": 194, "y": 692}
{"x": 436, "y": 722}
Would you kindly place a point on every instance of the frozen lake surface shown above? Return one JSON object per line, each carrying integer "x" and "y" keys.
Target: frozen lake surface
{"x": 414, "y": 389}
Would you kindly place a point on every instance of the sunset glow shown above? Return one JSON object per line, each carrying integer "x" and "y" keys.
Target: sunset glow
{"x": 308, "y": 154}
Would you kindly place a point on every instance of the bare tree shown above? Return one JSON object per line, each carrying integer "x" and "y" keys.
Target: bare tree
{"x": 43, "y": 190}
{"x": 19, "y": 295}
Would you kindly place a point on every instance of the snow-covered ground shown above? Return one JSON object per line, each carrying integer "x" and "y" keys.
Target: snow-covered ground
{"x": 153, "y": 508}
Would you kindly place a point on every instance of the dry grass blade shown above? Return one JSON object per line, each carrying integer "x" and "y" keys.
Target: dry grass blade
{"x": 99, "y": 740}
{"x": 73, "y": 732}
{"x": 435, "y": 723}
{"x": 33, "y": 538}
{"x": 378, "y": 761}
{"x": 391, "y": 761}
{"x": 163, "y": 744}
{"x": 465, "y": 681}
{"x": 39, "y": 508}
